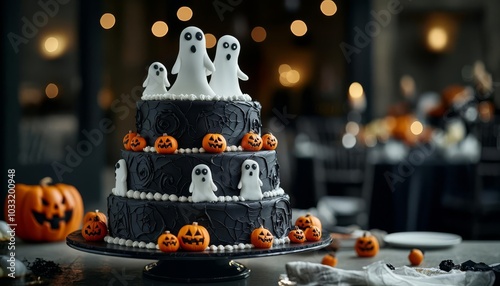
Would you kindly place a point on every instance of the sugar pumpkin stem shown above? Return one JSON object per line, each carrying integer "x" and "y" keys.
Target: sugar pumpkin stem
{"x": 46, "y": 181}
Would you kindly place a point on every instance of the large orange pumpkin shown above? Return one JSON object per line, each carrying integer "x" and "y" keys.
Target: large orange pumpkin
{"x": 193, "y": 237}
{"x": 166, "y": 144}
{"x": 47, "y": 212}
{"x": 251, "y": 141}
{"x": 214, "y": 143}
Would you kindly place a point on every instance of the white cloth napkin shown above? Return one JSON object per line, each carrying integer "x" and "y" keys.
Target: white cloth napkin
{"x": 377, "y": 273}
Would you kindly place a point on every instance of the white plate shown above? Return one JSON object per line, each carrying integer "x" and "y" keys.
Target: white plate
{"x": 422, "y": 239}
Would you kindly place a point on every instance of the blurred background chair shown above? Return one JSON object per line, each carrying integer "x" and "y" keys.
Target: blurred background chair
{"x": 339, "y": 174}
{"x": 476, "y": 214}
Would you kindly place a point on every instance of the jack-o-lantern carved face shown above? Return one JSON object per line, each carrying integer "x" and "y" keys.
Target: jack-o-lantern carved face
{"x": 94, "y": 230}
{"x": 214, "y": 143}
{"x": 297, "y": 235}
{"x": 193, "y": 237}
{"x": 127, "y": 139}
{"x": 308, "y": 220}
{"x": 168, "y": 242}
{"x": 89, "y": 216}
{"x": 165, "y": 144}
{"x": 366, "y": 245}
{"x": 251, "y": 141}
{"x": 261, "y": 238}
{"x": 269, "y": 141}
{"x": 138, "y": 143}
{"x": 313, "y": 233}
{"x": 47, "y": 213}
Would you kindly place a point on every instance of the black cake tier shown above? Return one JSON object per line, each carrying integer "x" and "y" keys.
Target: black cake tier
{"x": 171, "y": 173}
{"x": 188, "y": 121}
{"x": 228, "y": 223}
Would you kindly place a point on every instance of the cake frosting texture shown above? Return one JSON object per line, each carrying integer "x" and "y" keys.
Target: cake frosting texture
{"x": 188, "y": 121}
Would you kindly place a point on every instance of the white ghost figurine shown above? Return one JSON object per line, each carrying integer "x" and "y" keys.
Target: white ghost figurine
{"x": 156, "y": 82}
{"x": 250, "y": 182}
{"x": 120, "y": 178}
{"x": 202, "y": 187}
{"x": 192, "y": 64}
{"x": 224, "y": 80}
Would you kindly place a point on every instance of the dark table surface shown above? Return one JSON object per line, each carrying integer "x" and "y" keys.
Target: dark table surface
{"x": 82, "y": 268}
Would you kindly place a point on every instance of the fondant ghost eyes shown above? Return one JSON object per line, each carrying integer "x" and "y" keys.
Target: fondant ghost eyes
{"x": 188, "y": 36}
{"x": 117, "y": 166}
{"x": 204, "y": 171}
{"x": 247, "y": 167}
{"x": 197, "y": 172}
{"x": 234, "y": 47}
{"x": 161, "y": 69}
{"x": 199, "y": 36}
{"x": 254, "y": 166}
{"x": 155, "y": 67}
{"x": 225, "y": 45}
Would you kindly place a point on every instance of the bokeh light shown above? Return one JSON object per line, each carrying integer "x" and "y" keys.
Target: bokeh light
{"x": 258, "y": 34}
{"x": 53, "y": 46}
{"x": 437, "y": 39}
{"x": 51, "y": 90}
{"x": 159, "y": 29}
{"x": 298, "y": 28}
{"x": 416, "y": 128}
{"x": 328, "y": 8}
{"x": 210, "y": 40}
{"x": 184, "y": 13}
{"x": 107, "y": 21}
{"x": 355, "y": 90}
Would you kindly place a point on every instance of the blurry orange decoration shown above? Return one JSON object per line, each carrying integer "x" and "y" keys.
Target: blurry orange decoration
{"x": 46, "y": 212}
{"x": 138, "y": 143}
{"x": 127, "y": 139}
{"x": 329, "y": 259}
{"x": 308, "y": 220}
{"x": 366, "y": 245}
{"x": 214, "y": 143}
{"x": 251, "y": 141}
{"x": 416, "y": 257}
{"x": 165, "y": 144}
{"x": 261, "y": 237}
{"x": 313, "y": 233}
{"x": 269, "y": 141}
{"x": 168, "y": 242}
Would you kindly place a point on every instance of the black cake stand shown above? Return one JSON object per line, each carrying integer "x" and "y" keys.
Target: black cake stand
{"x": 212, "y": 266}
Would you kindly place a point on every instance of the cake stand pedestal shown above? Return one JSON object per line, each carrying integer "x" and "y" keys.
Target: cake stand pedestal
{"x": 182, "y": 266}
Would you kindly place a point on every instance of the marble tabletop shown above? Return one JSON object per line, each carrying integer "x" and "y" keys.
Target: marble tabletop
{"x": 82, "y": 268}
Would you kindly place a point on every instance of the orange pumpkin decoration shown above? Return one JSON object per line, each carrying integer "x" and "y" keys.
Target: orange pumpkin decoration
{"x": 90, "y": 216}
{"x": 193, "y": 237}
{"x": 168, "y": 242}
{"x": 313, "y": 233}
{"x": 269, "y": 141}
{"x": 297, "y": 235}
{"x": 329, "y": 259}
{"x": 127, "y": 139}
{"x": 94, "y": 229}
{"x": 308, "y": 220}
{"x": 214, "y": 143}
{"x": 416, "y": 257}
{"x": 165, "y": 144}
{"x": 138, "y": 143}
{"x": 366, "y": 245}
{"x": 251, "y": 141}
{"x": 261, "y": 237}
{"x": 46, "y": 213}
